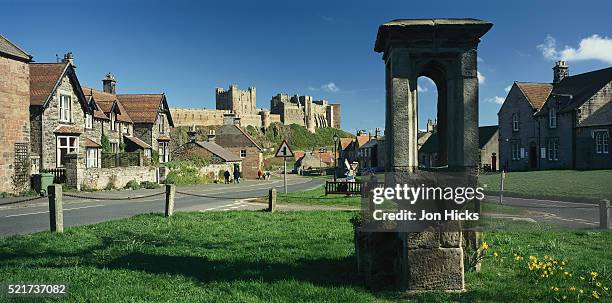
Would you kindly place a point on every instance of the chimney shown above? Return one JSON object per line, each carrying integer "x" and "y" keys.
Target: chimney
{"x": 560, "y": 71}
{"x": 211, "y": 136}
{"x": 108, "y": 83}
{"x": 191, "y": 134}
{"x": 69, "y": 58}
{"x": 377, "y": 132}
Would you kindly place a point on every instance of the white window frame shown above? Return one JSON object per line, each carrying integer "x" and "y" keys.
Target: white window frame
{"x": 243, "y": 153}
{"x": 125, "y": 128}
{"x": 147, "y": 152}
{"x": 602, "y": 141}
{"x": 553, "y": 149}
{"x": 70, "y": 148}
{"x": 88, "y": 121}
{"x": 552, "y": 117}
{"x": 163, "y": 152}
{"x": 91, "y": 157}
{"x": 112, "y": 122}
{"x": 162, "y": 123}
{"x": 515, "y": 122}
{"x": 114, "y": 147}
{"x": 516, "y": 149}
{"x": 65, "y": 110}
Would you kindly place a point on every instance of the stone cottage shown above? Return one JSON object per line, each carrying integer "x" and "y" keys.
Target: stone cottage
{"x": 219, "y": 159}
{"x": 15, "y": 126}
{"x": 566, "y": 125}
{"x": 59, "y": 114}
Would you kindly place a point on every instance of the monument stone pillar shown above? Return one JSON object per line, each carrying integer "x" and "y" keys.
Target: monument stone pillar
{"x": 444, "y": 50}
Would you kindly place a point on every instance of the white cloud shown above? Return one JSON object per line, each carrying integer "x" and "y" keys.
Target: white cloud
{"x": 479, "y": 59}
{"x": 330, "y": 87}
{"x": 508, "y": 88}
{"x": 422, "y": 89}
{"x": 481, "y": 78}
{"x": 594, "y": 47}
{"x": 310, "y": 88}
{"x": 496, "y": 99}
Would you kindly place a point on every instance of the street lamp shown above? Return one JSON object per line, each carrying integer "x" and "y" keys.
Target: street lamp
{"x": 336, "y": 138}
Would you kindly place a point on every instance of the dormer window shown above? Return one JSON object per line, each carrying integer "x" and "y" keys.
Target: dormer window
{"x": 88, "y": 121}
{"x": 162, "y": 123}
{"x": 64, "y": 109}
{"x": 552, "y": 117}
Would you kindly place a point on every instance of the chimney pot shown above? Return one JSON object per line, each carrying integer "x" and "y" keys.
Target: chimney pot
{"x": 560, "y": 71}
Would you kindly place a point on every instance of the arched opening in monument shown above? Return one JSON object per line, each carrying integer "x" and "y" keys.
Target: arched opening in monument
{"x": 427, "y": 108}
{"x": 433, "y": 74}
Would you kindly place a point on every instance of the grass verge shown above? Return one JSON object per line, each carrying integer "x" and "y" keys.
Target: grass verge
{"x": 263, "y": 257}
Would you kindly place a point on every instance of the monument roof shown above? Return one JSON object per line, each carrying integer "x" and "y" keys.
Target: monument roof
{"x": 420, "y": 29}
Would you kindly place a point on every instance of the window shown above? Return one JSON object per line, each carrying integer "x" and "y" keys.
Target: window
{"x": 243, "y": 153}
{"x": 162, "y": 123}
{"x": 64, "y": 108}
{"x": 88, "y": 121}
{"x": 66, "y": 145}
{"x": 115, "y": 147}
{"x": 163, "y": 152}
{"x": 125, "y": 128}
{"x": 601, "y": 141}
{"x": 515, "y": 122}
{"x": 147, "y": 152}
{"x": 516, "y": 151}
{"x": 112, "y": 121}
{"x": 553, "y": 149}
{"x": 552, "y": 118}
{"x": 91, "y": 159}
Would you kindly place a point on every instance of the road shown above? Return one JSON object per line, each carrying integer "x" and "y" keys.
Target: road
{"x": 34, "y": 217}
{"x": 566, "y": 214}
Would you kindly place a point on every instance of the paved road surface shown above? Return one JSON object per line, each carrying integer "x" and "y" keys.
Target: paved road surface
{"x": 567, "y": 214}
{"x": 34, "y": 217}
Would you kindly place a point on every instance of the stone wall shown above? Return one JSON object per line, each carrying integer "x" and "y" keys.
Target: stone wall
{"x": 586, "y": 153}
{"x": 487, "y": 151}
{"x": 602, "y": 98}
{"x": 197, "y": 116}
{"x": 251, "y": 163}
{"x": 15, "y": 127}
{"x": 242, "y": 102}
{"x": 563, "y": 133}
{"x": 99, "y": 178}
{"x": 527, "y": 134}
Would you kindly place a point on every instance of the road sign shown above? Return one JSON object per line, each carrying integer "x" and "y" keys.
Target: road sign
{"x": 284, "y": 150}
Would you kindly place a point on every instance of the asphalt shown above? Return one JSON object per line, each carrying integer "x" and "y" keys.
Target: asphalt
{"x": 95, "y": 207}
{"x": 566, "y": 214}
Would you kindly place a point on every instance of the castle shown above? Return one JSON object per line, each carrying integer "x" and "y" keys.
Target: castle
{"x": 236, "y": 106}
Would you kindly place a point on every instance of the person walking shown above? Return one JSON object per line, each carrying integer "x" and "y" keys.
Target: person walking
{"x": 226, "y": 174}
{"x": 237, "y": 176}
{"x": 259, "y": 174}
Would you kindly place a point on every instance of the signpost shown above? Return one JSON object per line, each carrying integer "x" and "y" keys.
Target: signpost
{"x": 284, "y": 151}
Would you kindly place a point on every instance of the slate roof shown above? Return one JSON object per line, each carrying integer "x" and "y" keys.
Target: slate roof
{"x": 219, "y": 151}
{"x": 137, "y": 141}
{"x": 44, "y": 78}
{"x": 581, "y": 87}
{"x": 143, "y": 108}
{"x": 10, "y": 50}
{"x": 536, "y": 93}
{"x": 484, "y": 135}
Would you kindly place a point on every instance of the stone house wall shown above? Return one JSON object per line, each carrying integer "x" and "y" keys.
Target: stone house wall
{"x": 487, "y": 151}
{"x": 50, "y": 121}
{"x": 251, "y": 163}
{"x": 527, "y": 134}
{"x": 600, "y": 99}
{"x": 586, "y": 155}
{"x": 564, "y": 132}
{"x": 15, "y": 126}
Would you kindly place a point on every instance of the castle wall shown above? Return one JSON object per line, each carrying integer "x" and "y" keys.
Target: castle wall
{"x": 196, "y": 116}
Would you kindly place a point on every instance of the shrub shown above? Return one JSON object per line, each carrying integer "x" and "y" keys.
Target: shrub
{"x": 149, "y": 185}
{"x": 133, "y": 184}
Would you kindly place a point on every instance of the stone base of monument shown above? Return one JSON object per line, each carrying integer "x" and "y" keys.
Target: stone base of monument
{"x": 424, "y": 261}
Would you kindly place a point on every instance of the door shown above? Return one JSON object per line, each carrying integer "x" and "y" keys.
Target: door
{"x": 533, "y": 156}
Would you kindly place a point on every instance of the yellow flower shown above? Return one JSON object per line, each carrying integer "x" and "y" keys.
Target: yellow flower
{"x": 594, "y": 274}
{"x": 484, "y": 246}
{"x": 605, "y": 288}
{"x": 556, "y": 289}
{"x": 595, "y": 295}
{"x": 495, "y": 254}
{"x": 564, "y": 297}
{"x": 572, "y": 289}
{"x": 581, "y": 291}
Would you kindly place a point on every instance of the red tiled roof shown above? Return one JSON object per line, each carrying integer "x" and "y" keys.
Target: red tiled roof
{"x": 536, "y": 93}
{"x": 298, "y": 154}
{"x": 105, "y": 101}
{"x": 65, "y": 129}
{"x": 44, "y": 77}
{"x": 345, "y": 142}
{"x": 90, "y": 143}
{"x": 142, "y": 108}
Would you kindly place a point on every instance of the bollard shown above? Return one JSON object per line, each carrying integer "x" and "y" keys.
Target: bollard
{"x": 170, "y": 192}
{"x": 604, "y": 214}
{"x": 272, "y": 199}
{"x": 56, "y": 211}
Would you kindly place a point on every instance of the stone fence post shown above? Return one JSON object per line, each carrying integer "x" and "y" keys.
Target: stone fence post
{"x": 604, "y": 214}
{"x": 272, "y": 199}
{"x": 56, "y": 211}
{"x": 74, "y": 170}
{"x": 170, "y": 193}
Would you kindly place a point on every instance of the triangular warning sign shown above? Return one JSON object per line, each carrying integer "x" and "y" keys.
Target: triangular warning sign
{"x": 284, "y": 150}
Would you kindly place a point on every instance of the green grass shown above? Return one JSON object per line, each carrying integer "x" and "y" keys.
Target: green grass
{"x": 263, "y": 257}
{"x": 569, "y": 185}
{"x": 317, "y": 197}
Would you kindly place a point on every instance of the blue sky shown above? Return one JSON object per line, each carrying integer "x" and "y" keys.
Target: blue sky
{"x": 318, "y": 48}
